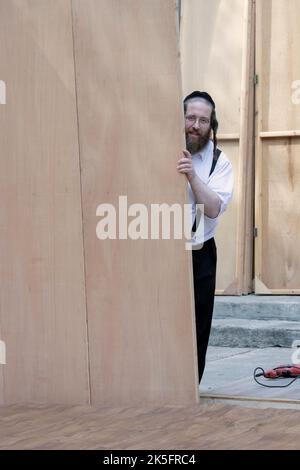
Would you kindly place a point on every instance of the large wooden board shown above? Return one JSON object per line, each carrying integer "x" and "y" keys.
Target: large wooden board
{"x": 139, "y": 296}
{"x": 42, "y": 316}
{"x": 218, "y": 56}
{"x": 277, "y": 148}
{"x": 1, "y": 373}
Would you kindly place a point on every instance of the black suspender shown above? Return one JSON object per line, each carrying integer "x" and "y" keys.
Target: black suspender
{"x": 215, "y": 159}
{"x": 213, "y": 166}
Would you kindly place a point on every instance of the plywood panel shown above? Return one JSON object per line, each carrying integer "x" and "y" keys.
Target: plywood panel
{"x": 139, "y": 296}
{"x": 1, "y": 373}
{"x": 277, "y": 156}
{"x": 279, "y": 63}
{"x": 220, "y": 59}
{"x": 207, "y": 60}
{"x": 227, "y": 238}
{"x": 43, "y": 318}
{"x": 281, "y": 215}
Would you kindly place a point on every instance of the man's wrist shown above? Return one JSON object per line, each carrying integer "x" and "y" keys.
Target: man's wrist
{"x": 192, "y": 177}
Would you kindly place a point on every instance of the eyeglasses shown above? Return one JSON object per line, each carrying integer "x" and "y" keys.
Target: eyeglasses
{"x": 192, "y": 119}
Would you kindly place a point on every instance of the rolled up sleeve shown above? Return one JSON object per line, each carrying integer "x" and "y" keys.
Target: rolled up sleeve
{"x": 221, "y": 181}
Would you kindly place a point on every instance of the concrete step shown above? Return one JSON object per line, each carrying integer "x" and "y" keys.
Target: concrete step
{"x": 259, "y": 307}
{"x": 251, "y": 333}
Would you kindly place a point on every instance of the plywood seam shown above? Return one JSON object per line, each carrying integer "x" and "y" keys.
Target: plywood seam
{"x": 81, "y": 210}
{"x": 190, "y": 262}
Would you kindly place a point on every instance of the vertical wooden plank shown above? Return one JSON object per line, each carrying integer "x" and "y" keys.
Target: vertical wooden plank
{"x": 43, "y": 317}
{"x": 245, "y": 176}
{"x": 1, "y": 371}
{"x": 139, "y": 296}
{"x": 217, "y": 58}
{"x": 277, "y": 181}
{"x": 258, "y": 154}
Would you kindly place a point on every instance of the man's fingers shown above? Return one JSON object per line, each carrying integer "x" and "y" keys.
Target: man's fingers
{"x": 184, "y": 168}
{"x": 187, "y": 154}
{"x": 184, "y": 160}
{"x": 184, "y": 165}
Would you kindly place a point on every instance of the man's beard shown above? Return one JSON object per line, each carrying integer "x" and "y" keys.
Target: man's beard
{"x": 196, "y": 145}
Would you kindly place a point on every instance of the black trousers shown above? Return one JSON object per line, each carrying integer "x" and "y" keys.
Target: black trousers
{"x": 204, "y": 269}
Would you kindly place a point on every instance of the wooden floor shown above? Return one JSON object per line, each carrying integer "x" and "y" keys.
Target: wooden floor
{"x": 205, "y": 426}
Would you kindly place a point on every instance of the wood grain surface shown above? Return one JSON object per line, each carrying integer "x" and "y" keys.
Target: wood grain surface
{"x": 220, "y": 60}
{"x": 42, "y": 316}
{"x": 139, "y": 294}
{"x": 205, "y": 427}
{"x": 277, "y": 148}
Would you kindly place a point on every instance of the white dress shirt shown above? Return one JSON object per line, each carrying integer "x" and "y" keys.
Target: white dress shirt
{"x": 220, "y": 181}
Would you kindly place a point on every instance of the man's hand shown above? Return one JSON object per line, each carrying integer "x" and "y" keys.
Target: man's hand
{"x": 203, "y": 194}
{"x": 185, "y": 166}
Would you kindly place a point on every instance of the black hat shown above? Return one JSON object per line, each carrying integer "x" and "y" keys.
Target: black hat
{"x": 200, "y": 94}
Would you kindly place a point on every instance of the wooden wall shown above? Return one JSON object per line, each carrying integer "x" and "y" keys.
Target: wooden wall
{"x": 220, "y": 59}
{"x": 131, "y": 133}
{"x": 217, "y": 56}
{"x": 277, "y": 148}
{"x": 93, "y": 112}
{"x": 43, "y": 313}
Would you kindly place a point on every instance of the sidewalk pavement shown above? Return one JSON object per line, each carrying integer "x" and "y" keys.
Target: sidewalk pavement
{"x": 229, "y": 375}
